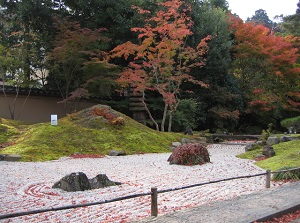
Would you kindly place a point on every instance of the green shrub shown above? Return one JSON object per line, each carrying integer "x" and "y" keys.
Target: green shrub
{"x": 290, "y": 122}
{"x": 189, "y": 154}
{"x": 265, "y": 135}
{"x": 290, "y": 175}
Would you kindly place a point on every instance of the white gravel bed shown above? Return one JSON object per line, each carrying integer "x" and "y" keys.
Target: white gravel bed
{"x": 27, "y": 186}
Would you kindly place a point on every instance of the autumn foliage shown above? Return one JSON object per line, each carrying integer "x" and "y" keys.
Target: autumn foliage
{"x": 266, "y": 66}
{"x": 162, "y": 61}
{"x": 103, "y": 112}
{"x": 189, "y": 154}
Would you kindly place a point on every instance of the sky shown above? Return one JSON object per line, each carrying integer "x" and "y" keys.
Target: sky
{"x": 247, "y": 8}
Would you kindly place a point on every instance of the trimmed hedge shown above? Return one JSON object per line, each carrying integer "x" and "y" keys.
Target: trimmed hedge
{"x": 291, "y": 122}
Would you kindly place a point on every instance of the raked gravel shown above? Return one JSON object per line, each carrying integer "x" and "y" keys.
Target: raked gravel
{"x": 27, "y": 186}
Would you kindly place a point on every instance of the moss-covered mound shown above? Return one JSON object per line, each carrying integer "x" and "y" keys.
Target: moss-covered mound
{"x": 95, "y": 130}
{"x": 287, "y": 154}
{"x": 9, "y": 130}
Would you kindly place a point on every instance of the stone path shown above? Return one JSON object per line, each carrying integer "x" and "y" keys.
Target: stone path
{"x": 27, "y": 186}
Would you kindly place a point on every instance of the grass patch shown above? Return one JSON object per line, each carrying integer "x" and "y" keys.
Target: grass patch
{"x": 287, "y": 154}
{"x": 290, "y": 175}
{"x": 86, "y": 134}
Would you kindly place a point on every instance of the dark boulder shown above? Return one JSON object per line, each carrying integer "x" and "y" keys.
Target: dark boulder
{"x": 101, "y": 181}
{"x": 268, "y": 151}
{"x": 188, "y": 131}
{"x": 73, "y": 182}
{"x": 79, "y": 182}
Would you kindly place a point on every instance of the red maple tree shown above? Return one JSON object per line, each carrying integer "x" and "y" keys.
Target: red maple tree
{"x": 266, "y": 65}
{"x": 162, "y": 61}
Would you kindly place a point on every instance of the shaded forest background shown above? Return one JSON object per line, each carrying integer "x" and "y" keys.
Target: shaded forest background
{"x": 249, "y": 72}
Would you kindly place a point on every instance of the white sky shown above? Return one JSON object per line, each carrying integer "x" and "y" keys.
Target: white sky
{"x": 247, "y": 8}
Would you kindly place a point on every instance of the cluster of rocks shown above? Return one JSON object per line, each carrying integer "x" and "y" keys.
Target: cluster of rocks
{"x": 268, "y": 150}
{"x": 79, "y": 182}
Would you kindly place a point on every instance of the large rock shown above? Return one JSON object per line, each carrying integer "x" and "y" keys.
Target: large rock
{"x": 73, "y": 182}
{"x": 268, "y": 151}
{"x": 101, "y": 181}
{"x": 272, "y": 140}
{"x": 249, "y": 147}
{"x": 79, "y": 182}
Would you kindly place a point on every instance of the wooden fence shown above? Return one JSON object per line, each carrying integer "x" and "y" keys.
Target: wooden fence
{"x": 154, "y": 194}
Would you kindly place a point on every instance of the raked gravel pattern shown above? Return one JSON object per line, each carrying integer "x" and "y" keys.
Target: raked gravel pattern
{"x": 27, "y": 186}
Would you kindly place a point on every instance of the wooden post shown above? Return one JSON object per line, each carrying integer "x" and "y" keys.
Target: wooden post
{"x": 268, "y": 179}
{"x": 154, "y": 211}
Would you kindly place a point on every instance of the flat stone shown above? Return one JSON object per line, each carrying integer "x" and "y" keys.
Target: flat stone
{"x": 10, "y": 157}
{"x": 285, "y": 138}
{"x": 116, "y": 153}
{"x": 175, "y": 144}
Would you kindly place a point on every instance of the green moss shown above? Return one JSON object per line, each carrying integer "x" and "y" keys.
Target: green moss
{"x": 9, "y": 129}
{"x": 41, "y": 142}
{"x": 287, "y": 154}
{"x": 256, "y": 149}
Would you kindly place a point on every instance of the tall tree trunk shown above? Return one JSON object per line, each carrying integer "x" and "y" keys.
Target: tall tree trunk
{"x": 171, "y": 116}
{"x": 11, "y": 109}
{"x": 148, "y": 112}
{"x": 26, "y": 65}
{"x": 170, "y": 121}
{"x": 163, "y": 121}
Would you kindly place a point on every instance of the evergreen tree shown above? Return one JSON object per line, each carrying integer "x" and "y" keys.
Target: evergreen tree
{"x": 261, "y": 17}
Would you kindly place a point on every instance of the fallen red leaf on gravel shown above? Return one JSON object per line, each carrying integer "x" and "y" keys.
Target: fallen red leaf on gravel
{"x": 79, "y": 156}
